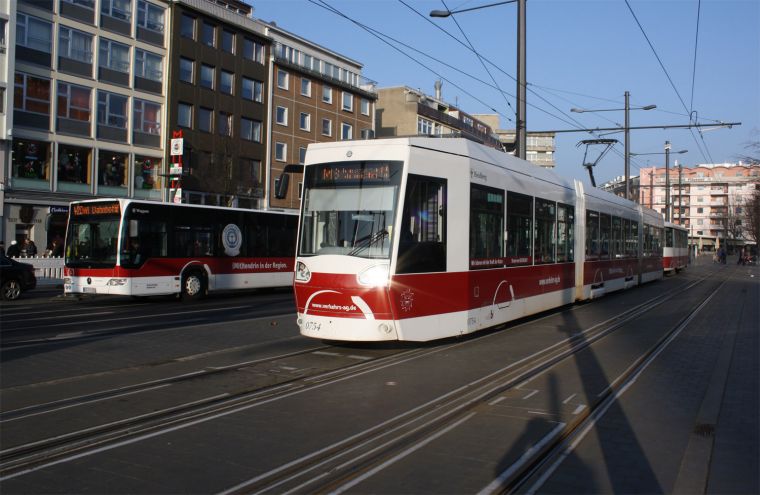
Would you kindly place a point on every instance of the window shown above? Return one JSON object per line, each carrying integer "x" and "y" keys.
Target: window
{"x": 205, "y": 117}
{"x": 327, "y": 94}
{"x": 118, "y": 9}
{"x": 112, "y": 110}
{"x": 112, "y": 168}
{"x": 425, "y": 126}
{"x": 305, "y": 87}
{"x": 422, "y": 248}
{"x": 74, "y": 44}
{"x": 346, "y": 131}
{"x": 74, "y": 164}
{"x": 185, "y": 115}
{"x": 326, "y": 127}
{"x": 225, "y": 124}
{"x": 700, "y": 210}
{"x": 74, "y": 102}
{"x": 33, "y": 33}
{"x": 592, "y": 235}
{"x": 250, "y": 129}
{"x": 281, "y": 115}
{"x": 208, "y": 34}
{"x": 226, "y": 82}
{"x": 282, "y": 79}
{"x": 617, "y": 238}
{"x": 348, "y": 102}
{"x": 88, "y": 4}
{"x": 207, "y": 76}
{"x": 304, "y": 121}
{"x": 280, "y": 152}
{"x": 604, "y": 235}
{"x": 186, "y": 70}
{"x": 114, "y": 56}
{"x": 187, "y": 28}
{"x": 147, "y": 117}
{"x": 252, "y": 89}
{"x": 31, "y": 94}
{"x": 228, "y": 41}
{"x": 150, "y": 16}
{"x": 565, "y": 233}
{"x": 519, "y": 229}
{"x": 253, "y": 50}
{"x": 149, "y": 65}
{"x": 545, "y": 233}
{"x": 486, "y": 227}
{"x": 302, "y": 155}
{"x": 365, "y": 106}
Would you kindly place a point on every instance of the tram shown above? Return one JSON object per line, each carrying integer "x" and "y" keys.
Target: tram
{"x": 675, "y": 255}
{"x": 425, "y": 238}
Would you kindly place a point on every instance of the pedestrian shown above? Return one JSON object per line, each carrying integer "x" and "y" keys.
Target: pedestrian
{"x": 30, "y": 247}
{"x": 14, "y": 251}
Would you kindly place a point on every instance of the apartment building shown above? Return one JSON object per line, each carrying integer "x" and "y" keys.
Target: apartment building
{"x": 318, "y": 96}
{"x": 540, "y": 146}
{"x": 404, "y": 111}
{"x": 89, "y": 107}
{"x": 707, "y": 199}
{"x": 219, "y": 98}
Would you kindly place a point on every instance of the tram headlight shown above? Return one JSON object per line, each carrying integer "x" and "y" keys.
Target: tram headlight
{"x": 303, "y": 274}
{"x": 374, "y": 276}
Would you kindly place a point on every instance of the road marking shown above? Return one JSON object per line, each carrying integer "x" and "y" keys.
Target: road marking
{"x": 496, "y": 401}
{"x": 325, "y": 353}
{"x": 360, "y": 358}
{"x": 579, "y": 409}
{"x": 569, "y": 399}
{"x": 530, "y": 395}
{"x": 543, "y": 413}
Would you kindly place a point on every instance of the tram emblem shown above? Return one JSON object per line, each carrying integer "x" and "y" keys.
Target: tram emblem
{"x": 407, "y": 300}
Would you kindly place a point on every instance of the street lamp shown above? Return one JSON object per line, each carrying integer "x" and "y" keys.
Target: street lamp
{"x": 667, "y": 174}
{"x": 627, "y": 129}
{"x": 520, "y": 126}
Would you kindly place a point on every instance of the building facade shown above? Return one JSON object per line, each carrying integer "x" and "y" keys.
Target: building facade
{"x": 219, "y": 102}
{"x": 708, "y": 200}
{"x": 89, "y": 108}
{"x": 317, "y": 96}
{"x": 540, "y": 145}
{"x": 403, "y": 111}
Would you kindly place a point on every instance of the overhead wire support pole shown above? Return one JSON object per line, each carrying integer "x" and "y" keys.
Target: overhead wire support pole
{"x": 627, "y": 158}
{"x": 520, "y": 131}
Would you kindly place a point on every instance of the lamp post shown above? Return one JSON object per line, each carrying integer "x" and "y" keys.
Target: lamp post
{"x": 667, "y": 175}
{"x": 521, "y": 117}
{"x": 626, "y": 130}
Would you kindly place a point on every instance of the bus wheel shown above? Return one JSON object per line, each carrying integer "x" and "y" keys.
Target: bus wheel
{"x": 193, "y": 286}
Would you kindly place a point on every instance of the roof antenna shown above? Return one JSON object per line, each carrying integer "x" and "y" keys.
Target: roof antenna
{"x": 592, "y": 142}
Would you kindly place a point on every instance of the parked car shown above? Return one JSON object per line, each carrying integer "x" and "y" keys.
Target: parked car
{"x": 15, "y": 278}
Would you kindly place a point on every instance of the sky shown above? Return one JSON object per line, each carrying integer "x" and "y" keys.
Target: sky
{"x": 580, "y": 54}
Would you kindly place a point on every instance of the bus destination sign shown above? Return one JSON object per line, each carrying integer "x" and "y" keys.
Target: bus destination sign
{"x": 96, "y": 209}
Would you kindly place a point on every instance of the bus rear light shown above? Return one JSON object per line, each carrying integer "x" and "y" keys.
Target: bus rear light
{"x": 374, "y": 276}
{"x": 303, "y": 274}
{"x": 117, "y": 282}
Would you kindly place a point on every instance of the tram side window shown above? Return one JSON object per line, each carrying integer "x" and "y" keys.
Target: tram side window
{"x": 565, "y": 233}
{"x": 592, "y": 235}
{"x": 647, "y": 248}
{"x": 422, "y": 248}
{"x": 617, "y": 237}
{"x": 626, "y": 238}
{"x": 669, "y": 237}
{"x": 604, "y": 235}
{"x": 659, "y": 234}
{"x": 635, "y": 239}
{"x": 519, "y": 229}
{"x": 546, "y": 234}
{"x": 486, "y": 227}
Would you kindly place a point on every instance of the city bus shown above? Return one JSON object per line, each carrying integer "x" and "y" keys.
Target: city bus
{"x": 143, "y": 248}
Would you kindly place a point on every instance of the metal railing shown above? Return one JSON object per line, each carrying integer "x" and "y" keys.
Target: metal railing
{"x": 45, "y": 266}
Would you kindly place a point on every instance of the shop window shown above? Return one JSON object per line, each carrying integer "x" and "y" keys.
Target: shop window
{"x": 112, "y": 173}
{"x": 74, "y": 168}
{"x": 146, "y": 177}
{"x": 30, "y": 164}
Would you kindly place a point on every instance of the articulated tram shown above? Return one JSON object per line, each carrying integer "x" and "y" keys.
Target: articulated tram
{"x": 425, "y": 238}
{"x": 675, "y": 253}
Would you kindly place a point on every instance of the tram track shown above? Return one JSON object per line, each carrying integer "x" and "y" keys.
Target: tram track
{"x": 368, "y": 448}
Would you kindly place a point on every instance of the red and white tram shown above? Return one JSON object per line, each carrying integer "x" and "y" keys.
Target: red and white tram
{"x": 675, "y": 255}
{"x": 425, "y": 238}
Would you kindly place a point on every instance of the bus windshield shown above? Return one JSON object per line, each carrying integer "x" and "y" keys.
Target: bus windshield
{"x": 349, "y": 208}
{"x": 92, "y": 236}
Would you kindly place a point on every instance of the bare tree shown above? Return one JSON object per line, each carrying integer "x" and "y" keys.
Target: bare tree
{"x": 752, "y": 155}
{"x": 752, "y": 216}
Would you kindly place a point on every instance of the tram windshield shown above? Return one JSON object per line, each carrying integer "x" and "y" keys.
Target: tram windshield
{"x": 349, "y": 208}
{"x": 92, "y": 235}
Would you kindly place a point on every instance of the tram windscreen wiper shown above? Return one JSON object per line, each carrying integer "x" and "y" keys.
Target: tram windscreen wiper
{"x": 368, "y": 241}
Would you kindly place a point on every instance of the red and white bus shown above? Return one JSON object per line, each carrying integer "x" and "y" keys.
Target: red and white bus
{"x": 143, "y": 248}
{"x": 425, "y": 238}
{"x": 675, "y": 254}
